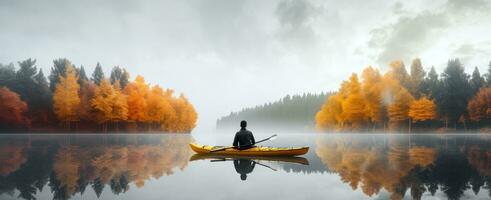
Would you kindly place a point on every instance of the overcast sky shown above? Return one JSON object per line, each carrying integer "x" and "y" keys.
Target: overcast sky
{"x": 225, "y": 55}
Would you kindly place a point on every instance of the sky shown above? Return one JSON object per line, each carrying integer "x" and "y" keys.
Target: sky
{"x": 226, "y": 55}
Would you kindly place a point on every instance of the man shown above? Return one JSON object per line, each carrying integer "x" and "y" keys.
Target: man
{"x": 244, "y": 138}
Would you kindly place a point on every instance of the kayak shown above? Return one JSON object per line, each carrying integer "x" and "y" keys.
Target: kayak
{"x": 286, "y": 159}
{"x": 254, "y": 151}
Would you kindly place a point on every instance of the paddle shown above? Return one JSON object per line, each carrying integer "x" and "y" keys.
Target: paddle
{"x": 239, "y": 147}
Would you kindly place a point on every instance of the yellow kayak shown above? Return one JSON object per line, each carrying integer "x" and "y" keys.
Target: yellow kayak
{"x": 255, "y": 151}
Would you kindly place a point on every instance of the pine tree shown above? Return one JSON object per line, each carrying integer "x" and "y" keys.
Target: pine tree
{"x": 417, "y": 77}
{"x": 66, "y": 99}
{"x": 82, "y": 76}
{"x": 7, "y": 75}
{"x": 120, "y": 75}
{"x": 476, "y": 81}
{"x": 98, "y": 74}
{"x": 24, "y": 84}
{"x": 58, "y": 70}
{"x": 488, "y": 75}
{"x": 455, "y": 92}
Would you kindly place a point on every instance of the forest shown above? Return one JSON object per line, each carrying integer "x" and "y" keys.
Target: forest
{"x": 417, "y": 101}
{"x": 291, "y": 114}
{"x": 72, "y": 102}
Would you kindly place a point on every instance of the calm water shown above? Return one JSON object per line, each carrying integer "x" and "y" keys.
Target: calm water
{"x": 163, "y": 167}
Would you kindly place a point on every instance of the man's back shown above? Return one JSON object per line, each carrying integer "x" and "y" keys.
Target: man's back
{"x": 244, "y": 138}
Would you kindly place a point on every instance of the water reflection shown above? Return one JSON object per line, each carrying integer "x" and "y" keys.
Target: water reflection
{"x": 245, "y": 165}
{"x": 70, "y": 164}
{"x": 354, "y": 166}
{"x": 397, "y": 164}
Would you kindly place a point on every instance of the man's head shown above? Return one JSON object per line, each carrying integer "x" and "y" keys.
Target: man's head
{"x": 243, "y": 124}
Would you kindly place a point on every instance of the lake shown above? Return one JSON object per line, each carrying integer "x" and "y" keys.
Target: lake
{"x": 338, "y": 166}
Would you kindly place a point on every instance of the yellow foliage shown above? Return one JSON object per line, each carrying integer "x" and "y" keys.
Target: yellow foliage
{"x": 137, "y": 92}
{"x": 65, "y": 98}
{"x": 422, "y": 109}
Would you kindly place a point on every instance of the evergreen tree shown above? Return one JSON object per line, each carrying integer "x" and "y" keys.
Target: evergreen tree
{"x": 7, "y": 75}
{"x": 417, "y": 77}
{"x": 121, "y": 75}
{"x": 25, "y": 85}
{"x": 455, "y": 92}
{"x": 98, "y": 74}
{"x": 58, "y": 69}
{"x": 431, "y": 84}
{"x": 488, "y": 75}
{"x": 82, "y": 76}
{"x": 476, "y": 81}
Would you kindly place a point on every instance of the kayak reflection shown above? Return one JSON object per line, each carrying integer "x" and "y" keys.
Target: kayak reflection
{"x": 244, "y": 165}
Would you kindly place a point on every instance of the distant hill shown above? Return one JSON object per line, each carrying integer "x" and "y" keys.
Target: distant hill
{"x": 290, "y": 114}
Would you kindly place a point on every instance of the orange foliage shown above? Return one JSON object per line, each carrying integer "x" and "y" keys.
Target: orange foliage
{"x": 137, "y": 93}
{"x": 12, "y": 108}
{"x": 480, "y": 106}
{"x": 422, "y": 109}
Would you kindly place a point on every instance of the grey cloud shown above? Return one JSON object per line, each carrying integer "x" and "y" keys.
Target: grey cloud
{"x": 410, "y": 35}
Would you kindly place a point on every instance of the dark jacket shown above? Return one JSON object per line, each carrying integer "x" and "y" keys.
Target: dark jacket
{"x": 244, "y": 138}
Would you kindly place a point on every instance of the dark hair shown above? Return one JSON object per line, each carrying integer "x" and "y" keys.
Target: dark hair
{"x": 243, "y": 123}
{"x": 243, "y": 177}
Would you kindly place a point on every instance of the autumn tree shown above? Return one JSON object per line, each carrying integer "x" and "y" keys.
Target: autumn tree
{"x": 102, "y": 103}
{"x": 397, "y": 71}
{"x": 12, "y": 110}
{"x": 159, "y": 110}
{"x": 354, "y": 107}
{"x": 422, "y": 109}
{"x": 66, "y": 99}
{"x": 372, "y": 90}
{"x": 98, "y": 74}
{"x": 137, "y": 92}
{"x": 398, "y": 100}
{"x": 120, "y": 105}
{"x": 479, "y": 106}
{"x": 186, "y": 115}
{"x": 87, "y": 93}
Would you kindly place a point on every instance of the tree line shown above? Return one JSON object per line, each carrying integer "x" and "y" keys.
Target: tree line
{"x": 71, "y": 101}
{"x": 291, "y": 113}
{"x": 406, "y": 102}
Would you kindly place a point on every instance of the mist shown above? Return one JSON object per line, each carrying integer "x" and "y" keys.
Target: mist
{"x": 228, "y": 55}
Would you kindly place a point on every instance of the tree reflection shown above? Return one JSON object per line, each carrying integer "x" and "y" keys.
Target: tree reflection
{"x": 68, "y": 165}
{"x": 400, "y": 165}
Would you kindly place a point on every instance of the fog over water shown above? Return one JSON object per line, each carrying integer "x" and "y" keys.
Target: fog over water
{"x": 227, "y": 55}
